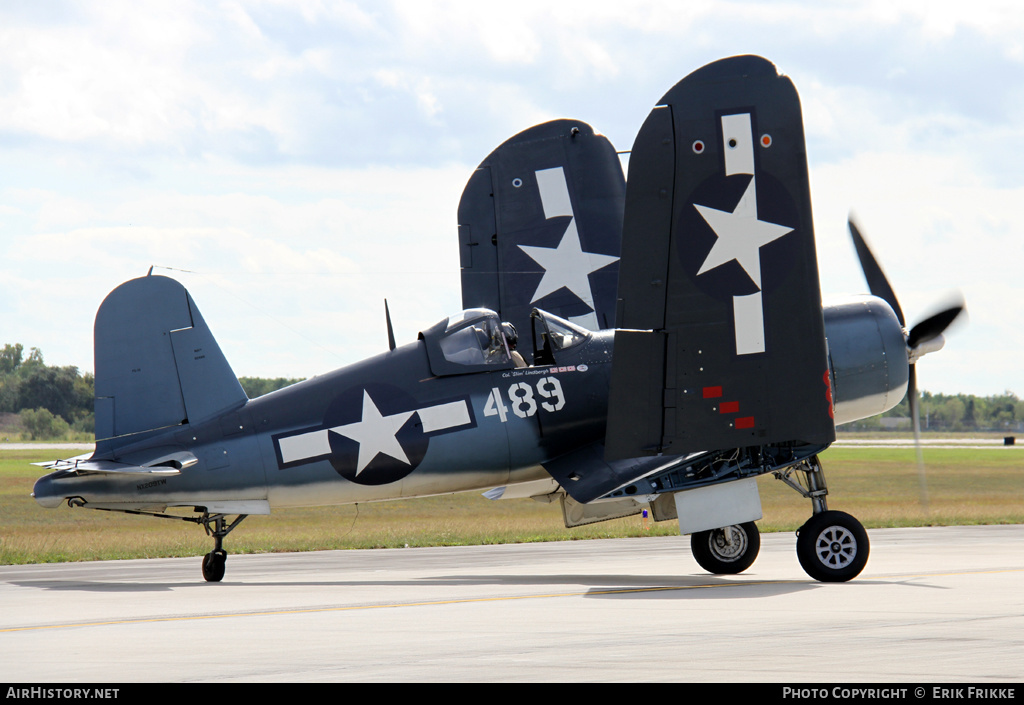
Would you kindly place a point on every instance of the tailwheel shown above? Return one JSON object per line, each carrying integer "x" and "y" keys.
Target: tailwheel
{"x": 213, "y": 566}
{"x": 832, "y": 547}
{"x": 217, "y": 526}
{"x": 726, "y": 551}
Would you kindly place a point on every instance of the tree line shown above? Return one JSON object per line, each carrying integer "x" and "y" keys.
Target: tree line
{"x": 52, "y": 402}
{"x": 57, "y": 402}
{"x": 952, "y": 412}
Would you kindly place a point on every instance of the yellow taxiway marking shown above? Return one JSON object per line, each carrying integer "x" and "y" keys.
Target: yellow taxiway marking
{"x": 429, "y": 603}
{"x": 469, "y": 600}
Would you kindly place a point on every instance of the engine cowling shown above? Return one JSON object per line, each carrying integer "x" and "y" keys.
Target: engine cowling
{"x": 868, "y": 357}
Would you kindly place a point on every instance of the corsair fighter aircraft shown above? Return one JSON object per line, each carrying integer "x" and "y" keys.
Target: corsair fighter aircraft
{"x": 673, "y": 331}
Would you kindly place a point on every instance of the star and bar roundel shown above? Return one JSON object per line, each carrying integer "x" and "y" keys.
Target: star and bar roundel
{"x": 739, "y": 231}
{"x": 373, "y": 434}
{"x": 566, "y": 265}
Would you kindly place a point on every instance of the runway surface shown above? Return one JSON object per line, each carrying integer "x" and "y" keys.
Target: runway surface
{"x": 933, "y": 605}
{"x": 931, "y": 443}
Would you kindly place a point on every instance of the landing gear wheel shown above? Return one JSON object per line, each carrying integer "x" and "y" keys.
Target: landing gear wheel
{"x": 216, "y": 525}
{"x": 213, "y": 566}
{"x": 726, "y": 551}
{"x": 832, "y": 547}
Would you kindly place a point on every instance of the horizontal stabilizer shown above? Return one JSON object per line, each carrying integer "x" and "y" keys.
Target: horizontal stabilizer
{"x": 157, "y": 364}
{"x": 106, "y": 467}
{"x": 540, "y": 223}
{"x": 718, "y": 283}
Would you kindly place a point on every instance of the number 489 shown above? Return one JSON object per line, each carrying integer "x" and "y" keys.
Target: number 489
{"x": 523, "y": 401}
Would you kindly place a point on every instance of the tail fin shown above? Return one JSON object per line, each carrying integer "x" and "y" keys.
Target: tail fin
{"x": 157, "y": 364}
{"x": 719, "y": 278}
{"x": 540, "y": 223}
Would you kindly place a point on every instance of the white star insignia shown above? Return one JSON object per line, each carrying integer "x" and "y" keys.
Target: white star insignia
{"x": 740, "y": 235}
{"x": 567, "y": 266}
{"x": 375, "y": 434}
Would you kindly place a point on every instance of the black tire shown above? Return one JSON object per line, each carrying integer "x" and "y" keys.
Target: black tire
{"x": 716, "y": 555}
{"x": 832, "y": 547}
{"x": 213, "y": 566}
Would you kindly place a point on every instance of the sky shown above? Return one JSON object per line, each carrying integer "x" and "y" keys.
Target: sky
{"x": 294, "y": 163}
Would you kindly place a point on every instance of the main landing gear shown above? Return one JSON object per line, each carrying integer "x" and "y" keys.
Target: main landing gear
{"x": 726, "y": 551}
{"x": 831, "y": 546}
{"x": 216, "y": 526}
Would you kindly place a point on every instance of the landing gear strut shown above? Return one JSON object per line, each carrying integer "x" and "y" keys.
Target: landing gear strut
{"x": 216, "y": 526}
{"x": 832, "y": 546}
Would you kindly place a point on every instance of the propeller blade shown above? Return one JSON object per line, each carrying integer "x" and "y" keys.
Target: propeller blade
{"x": 924, "y": 332}
{"x": 878, "y": 284}
{"x": 915, "y": 415}
{"x": 933, "y": 326}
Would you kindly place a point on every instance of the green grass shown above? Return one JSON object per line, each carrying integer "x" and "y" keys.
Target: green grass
{"x": 878, "y": 486}
{"x": 881, "y": 487}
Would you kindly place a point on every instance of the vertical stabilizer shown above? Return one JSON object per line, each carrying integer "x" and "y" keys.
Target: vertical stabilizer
{"x": 157, "y": 364}
{"x": 718, "y": 285}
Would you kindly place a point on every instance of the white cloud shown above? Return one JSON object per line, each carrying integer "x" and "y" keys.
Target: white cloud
{"x": 303, "y": 252}
{"x": 308, "y": 157}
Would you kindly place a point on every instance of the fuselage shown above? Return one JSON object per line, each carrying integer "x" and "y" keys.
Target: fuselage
{"x": 392, "y": 427}
{"x": 384, "y": 428}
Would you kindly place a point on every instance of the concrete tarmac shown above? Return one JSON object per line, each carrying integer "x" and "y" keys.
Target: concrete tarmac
{"x": 934, "y": 605}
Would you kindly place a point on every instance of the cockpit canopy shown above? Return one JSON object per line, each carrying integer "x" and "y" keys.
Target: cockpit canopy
{"x": 472, "y": 341}
{"x": 552, "y": 334}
